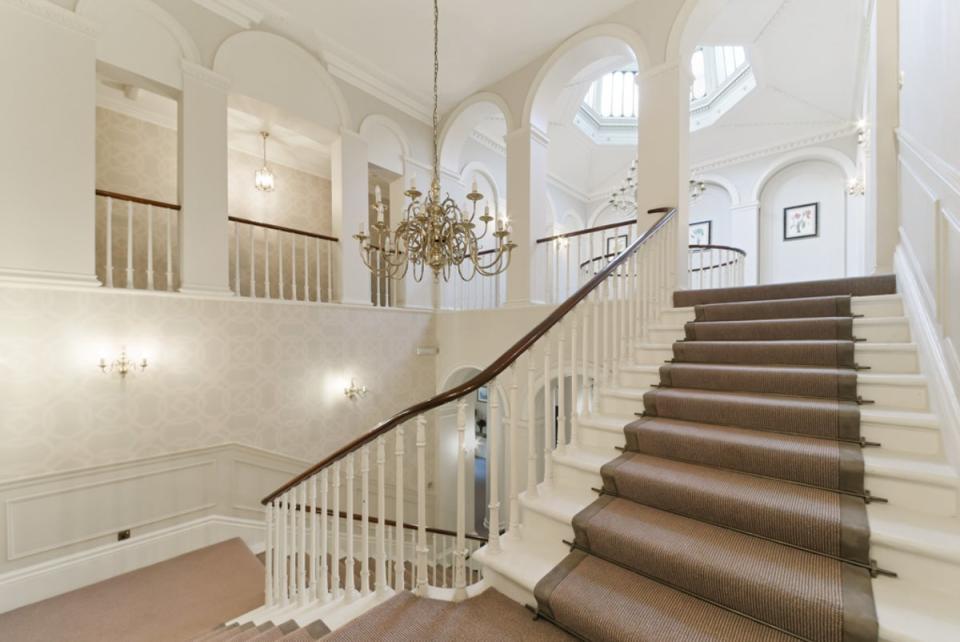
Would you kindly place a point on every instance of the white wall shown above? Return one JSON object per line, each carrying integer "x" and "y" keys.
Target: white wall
{"x": 822, "y": 257}
{"x": 714, "y": 206}
{"x": 928, "y": 260}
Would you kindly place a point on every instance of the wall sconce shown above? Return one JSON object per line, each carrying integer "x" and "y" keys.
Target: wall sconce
{"x": 122, "y": 365}
{"x": 354, "y": 391}
{"x": 856, "y": 187}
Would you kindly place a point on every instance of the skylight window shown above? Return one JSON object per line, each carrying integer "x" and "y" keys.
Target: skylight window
{"x": 713, "y": 68}
{"x": 614, "y": 95}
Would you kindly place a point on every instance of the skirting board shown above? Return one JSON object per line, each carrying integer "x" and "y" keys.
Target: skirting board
{"x": 938, "y": 357}
{"x": 41, "y": 581}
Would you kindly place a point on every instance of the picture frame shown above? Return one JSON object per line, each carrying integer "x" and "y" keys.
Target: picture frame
{"x": 617, "y": 244}
{"x": 482, "y": 394}
{"x": 701, "y": 233}
{"x": 801, "y": 222}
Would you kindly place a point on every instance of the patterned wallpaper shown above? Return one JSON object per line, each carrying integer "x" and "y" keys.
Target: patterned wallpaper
{"x": 265, "y": 374}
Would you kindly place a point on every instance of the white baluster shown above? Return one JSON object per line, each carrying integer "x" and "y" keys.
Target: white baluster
{"x": 547, "y": 416}
{"x": 277, "y": 558}
{"x": 129, "y": 282}
{"x": 531, "y": 427}
{"x": 512, "y": 456}
{"x": 574, "y": 386}
{"x": 302, "y": 547}
{"x": 381, "y": 568}
{"x": 459, "y": 578}
{"x": 364, "y": 517}
{"x": 306, "y": 270}
{"x": 422, "y": 505}
{"x": 292, "y": 544}
{"x": 279, "y": 265}
{"x": 561, "y": 389}
{"x": 109, "y": 246}
{"x": 319, "y": 296}
{"x": 566, "y": 270}
{"x": 597, "y": 307}
{"x": 253, "y": 262}
{"x": 314, "y": 539}
{"x": 268, "y": 558}
{"x": 266, "y": 263}
{"x": 349, "y": 568}
{"x": 324, "y": 535}
{"x": 236, "y": 258}
{"x": 398, "y": 494}
{"x": 293, "y": 271}
{"x": 170, "y": 215}
{"x": 284, "y": 551}
{"x": 493, "y": 460}
{"x": 149, "y": 247}
{"x": 329, "y": 272}
{"x": 335, "y": 558}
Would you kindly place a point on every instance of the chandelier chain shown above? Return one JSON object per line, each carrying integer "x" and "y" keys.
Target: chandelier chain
{"x": 436, "y": 86}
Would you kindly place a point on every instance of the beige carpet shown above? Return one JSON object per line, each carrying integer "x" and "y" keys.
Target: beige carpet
{"x": 174, "y": 600}
{"x": 489, "y": 616}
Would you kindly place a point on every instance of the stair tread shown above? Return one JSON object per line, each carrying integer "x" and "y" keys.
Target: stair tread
{"x": 911, "y": 612}
{"x": 524, "y": 561}
{"x": 600, "y": 600}
{"x": 930, "y": 469}
{"x": 855, "y": 286}
{"x": 930, "y": 535}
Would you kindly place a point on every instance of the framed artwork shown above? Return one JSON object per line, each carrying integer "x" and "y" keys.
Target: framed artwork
{"x": 482, "y": 394}
{"x": 616, "y": 244}
{"x": 701, "y": 233}
{"x": 801, "y": 221}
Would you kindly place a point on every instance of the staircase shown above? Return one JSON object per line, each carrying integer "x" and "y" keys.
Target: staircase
{"x": 786, "y": 465}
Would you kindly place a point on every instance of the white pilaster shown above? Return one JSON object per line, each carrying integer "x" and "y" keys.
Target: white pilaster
{"x": 528, "y": 209}
{"x": 349, "y": 186}
{"x": 47, "y": 168}
{"x": 202, "y": 135}
{"x": 745, "y": 234}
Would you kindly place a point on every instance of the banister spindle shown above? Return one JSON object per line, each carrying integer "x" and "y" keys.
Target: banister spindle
{"x": 149, "y": 247}
{"x": 236, "y": 257}
{"x": 330, "y": 247}
{"x": 349, "y": 573}
{"x": 459, "y": 564}
{"x": 422, "y": 505}
{"x": 319, "y": 296}
{"x": 293, "y": 273}
{"x": 561, "y": 392}
{"x": 364, "y": 516}
{"x": 314, "y": 540}
{"x": 596, "y": 306}
{"x": 335, "y": 558}
{"x": 493, "y": 458}
{"x": 306, "y": 270}
{"x": 277, "y": 558}
{"x": 268, "y": 553}
{"x": 531, "y": 426}
{"x": 266, "y": 263}
{"x": 547, "y": 415}
{"x": 574, "y": 385}
{"x": 292, "y": 544}
{"x": 380, "y": 571}
{"x": 129, "y": 282}
{"x": 253, "y": 262}
{"x": 324, "y": 535}
{"x": 616, "y": 331}
{"x": 512, "y": 456}
{"x": 284, "y": 560}
{"x": 279, "y": 265}
{"x": 170, "y": 215}
{"x": 108, "y": 271}
{"x": 606, "y": 292}
{"x": 302, "y": 545}
{"x": 398, "y": 494}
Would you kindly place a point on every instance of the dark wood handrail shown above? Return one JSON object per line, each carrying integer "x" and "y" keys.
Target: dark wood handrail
{"x": 281, "y": 228}
{"x": 136, "y": 199}
{"x": 485, "y": 377}
{"x": 719, "y": 247}
{"x": 371, "y": 519}
{"x": 590, "y": 230}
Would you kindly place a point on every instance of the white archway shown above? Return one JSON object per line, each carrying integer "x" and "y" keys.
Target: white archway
{"x": 576, "y": 53}
{"x": 827, "y": 154}
{"x": 724, "y": 183}
{"x": 496, "y": 194}
{"x": 460, "y": 123}
{"x": 387, "y": 144}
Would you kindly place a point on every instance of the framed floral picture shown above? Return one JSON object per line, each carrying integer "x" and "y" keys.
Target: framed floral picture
{"x": 801, "y": 221}
{"x": 617, "y": 244}
{"x": 701, "y": 233}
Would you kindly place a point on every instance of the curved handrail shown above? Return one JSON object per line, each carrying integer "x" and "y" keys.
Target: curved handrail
{"x": 136, "y": 199}
{"x": 590, "y": 230}
{"x": 719, "y": 247}
{"x": 487, "y": 375}
{"x": 281, "y": 228}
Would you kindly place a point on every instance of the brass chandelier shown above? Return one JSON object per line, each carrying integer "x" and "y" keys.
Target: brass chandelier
{"x": 435, "y": 232}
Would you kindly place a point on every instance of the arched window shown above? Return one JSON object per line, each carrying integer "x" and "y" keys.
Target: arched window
{"x": 713, "y": 68}
{"x": 614, "y": 95}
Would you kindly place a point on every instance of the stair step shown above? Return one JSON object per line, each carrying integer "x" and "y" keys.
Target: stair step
{"x": 915, "y": 612}
{"x": 855, "y": 286}
{"x": 520, "y": 563}
{"x": 923, "y": 483}
{"x": 819, "y": 329}
{"x": 919, "y": 547}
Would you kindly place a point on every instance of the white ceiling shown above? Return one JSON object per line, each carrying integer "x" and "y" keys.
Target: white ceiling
{"x": 480, "y": 42}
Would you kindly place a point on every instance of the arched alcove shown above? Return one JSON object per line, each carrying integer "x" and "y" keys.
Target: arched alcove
{"x": 477, "y": 110}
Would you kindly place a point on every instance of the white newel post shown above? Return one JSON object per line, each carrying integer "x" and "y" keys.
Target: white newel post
{"x": 528, "y": 209}
{"x": 203, "y": 226}
{"x": 47, "y": 169}
{"x": 349, "y": 187}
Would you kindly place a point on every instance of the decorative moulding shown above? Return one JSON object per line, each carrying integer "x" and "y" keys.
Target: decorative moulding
{"x": 779, "y": 148}
{"x": 207, "y": 76}
{"x": 55, "y": 15}
{"x": 243, "y": 13}
{"x": 48, "y": 278}
{"x": 943, "y": 170}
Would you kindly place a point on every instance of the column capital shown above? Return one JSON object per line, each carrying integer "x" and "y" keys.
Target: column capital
{"x": 206, "y": 76}
{"x": 532, "y": 132}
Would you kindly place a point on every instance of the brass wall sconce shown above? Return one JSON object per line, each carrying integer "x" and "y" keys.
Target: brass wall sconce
{"x": 354, "y": 391}
{"x": 122, "y": 365}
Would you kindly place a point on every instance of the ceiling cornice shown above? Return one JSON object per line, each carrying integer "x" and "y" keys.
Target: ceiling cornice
{"x": 778, "y": 148}
{"x": 246, "y": 14}
{"x": 55, "y": 14}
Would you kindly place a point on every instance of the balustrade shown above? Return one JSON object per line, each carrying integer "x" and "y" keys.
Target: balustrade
{"x": 586, "y": 341}
{"x": 715, "y": 266}
{"x": 139, "y": 248}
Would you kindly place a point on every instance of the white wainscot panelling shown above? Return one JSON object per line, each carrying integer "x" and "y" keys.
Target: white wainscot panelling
{"x": 920, "y": 210}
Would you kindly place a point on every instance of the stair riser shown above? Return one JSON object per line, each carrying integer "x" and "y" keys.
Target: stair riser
{"x": 915, "y": 567}
{"x": 550, "y": 533}
{"x": 913, "y": 495}
{"x": 905, "y": 439}
{"x": 895, "y": 332}
{"x": 893, "y": 396}
{"x": 892, "y": 307}
{"x": 601, "y": 440}
{"x": 508, "y": 587}
{"x": 612, "y": 405}
{"x": 676, "y": 317}
{"x": 575, "y": 479}
{"x": 665, "y": 335}
{"x": 640, "y": 380}
{"x": 888, "y": 362}
{"x": 653, "y": 356}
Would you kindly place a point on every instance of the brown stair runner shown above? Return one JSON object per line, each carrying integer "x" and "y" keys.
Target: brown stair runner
{"x": 737, "y": 511}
